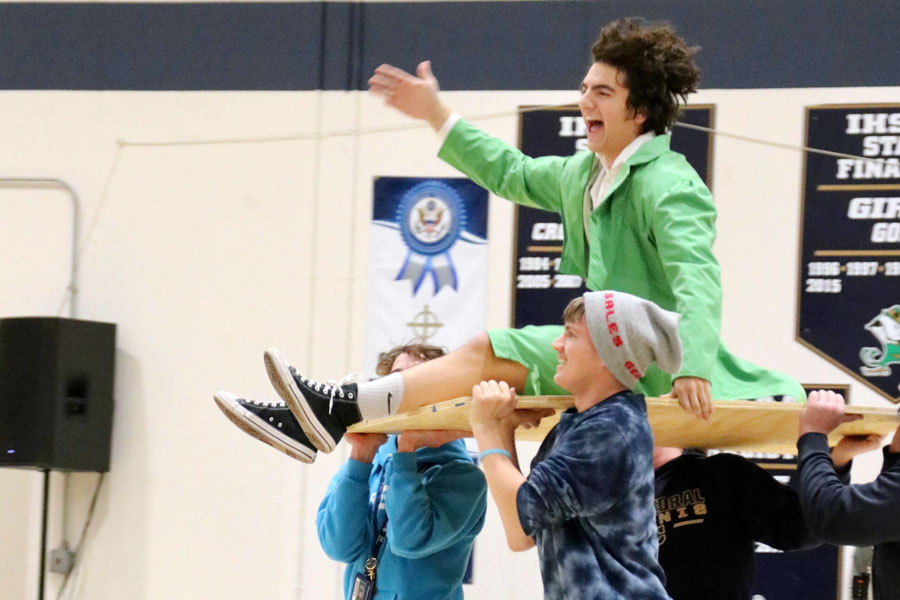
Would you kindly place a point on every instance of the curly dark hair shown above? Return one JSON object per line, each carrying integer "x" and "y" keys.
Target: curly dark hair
{"x": 658, "y": 67}
{"x": 423, "y": 352}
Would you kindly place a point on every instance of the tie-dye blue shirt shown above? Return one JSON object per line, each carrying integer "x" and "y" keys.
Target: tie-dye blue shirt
{"x": 588, "y": 504}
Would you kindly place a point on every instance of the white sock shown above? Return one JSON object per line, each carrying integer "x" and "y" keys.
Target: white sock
{"x": 380, "y": 397}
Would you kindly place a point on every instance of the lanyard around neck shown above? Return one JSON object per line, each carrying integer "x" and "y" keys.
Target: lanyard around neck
{"x": 380, "y": 536}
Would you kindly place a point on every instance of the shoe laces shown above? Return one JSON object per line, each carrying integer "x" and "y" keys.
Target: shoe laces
{"x": 332, "y": 387}
{"x": 337, "y": 387}
{"x": 266, "y": 404}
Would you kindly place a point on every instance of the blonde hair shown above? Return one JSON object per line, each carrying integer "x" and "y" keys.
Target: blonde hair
{"x": 574, "y": 311}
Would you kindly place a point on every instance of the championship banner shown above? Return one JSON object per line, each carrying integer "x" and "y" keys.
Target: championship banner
{"x": 540, "y": 291}
{"x": 427, "y": 263}
{"x": 849, "y": 275}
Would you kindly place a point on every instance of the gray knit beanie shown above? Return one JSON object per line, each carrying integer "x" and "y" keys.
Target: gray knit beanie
{"x": 631, "y": 333}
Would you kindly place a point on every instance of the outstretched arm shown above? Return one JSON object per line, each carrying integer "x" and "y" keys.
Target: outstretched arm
{"x": 489, "y": 162}
{"x": 684, "y": 227}
{"x": 341, "y": 520}
{"x": 415, "y": 96}
{"x": 491, "y": 415}
{"x": 838, "y": 513}
{"x": 772, "y": 510}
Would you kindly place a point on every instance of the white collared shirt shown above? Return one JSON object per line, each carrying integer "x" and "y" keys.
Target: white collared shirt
{"x": 607, "y": 176}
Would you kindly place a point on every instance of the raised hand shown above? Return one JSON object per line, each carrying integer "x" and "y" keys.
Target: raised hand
{"x": 415, "y": 96}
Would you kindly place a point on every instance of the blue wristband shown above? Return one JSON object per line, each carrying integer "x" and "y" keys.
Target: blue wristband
{"x": 490, "y": 451}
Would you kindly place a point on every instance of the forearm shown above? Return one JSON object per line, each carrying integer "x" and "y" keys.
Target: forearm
{"x": 891, "y": 458}
{"x": 684, "y": 226}
{"x": 438, "y": 116}
{"x": 698, "y": 297}
{"x": 429, "y": 514}
{"x": 701, "y": 340}
{"x": 819, "y": 487}
{"x": 501, "y": 436}
{"x": 845, "y": 514}
{"x": 894, "y": 447}
{"x": 341, "y": 518}
{"x": 504, "y": 480}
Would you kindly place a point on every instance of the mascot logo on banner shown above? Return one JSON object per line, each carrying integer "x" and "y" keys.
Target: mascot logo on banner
{"x": 886, "y": 329}
{"x": 431, "y": 218}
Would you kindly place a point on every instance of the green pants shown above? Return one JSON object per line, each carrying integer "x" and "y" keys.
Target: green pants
{"x": 732, "y": 379}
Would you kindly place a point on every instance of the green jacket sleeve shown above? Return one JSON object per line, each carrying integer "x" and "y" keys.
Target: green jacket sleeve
{"x": 552, "y": 183}
{"x": 504, "y": 170}
{"x": 684, "y": 229}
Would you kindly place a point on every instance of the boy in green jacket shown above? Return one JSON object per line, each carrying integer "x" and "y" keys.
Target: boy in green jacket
{"x": 637, "y": 219}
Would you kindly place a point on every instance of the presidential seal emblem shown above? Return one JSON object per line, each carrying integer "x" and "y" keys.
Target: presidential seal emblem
{"x": 886, "y": 329}
{"x": 431, "y": 218}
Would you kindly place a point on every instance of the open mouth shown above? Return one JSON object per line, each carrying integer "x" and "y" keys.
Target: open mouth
{"x": 593, "y": 125}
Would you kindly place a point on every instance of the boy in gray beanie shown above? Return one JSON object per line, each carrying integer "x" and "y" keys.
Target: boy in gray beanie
{"x": 587, "y": 503}
{"x": 631, "y": 333}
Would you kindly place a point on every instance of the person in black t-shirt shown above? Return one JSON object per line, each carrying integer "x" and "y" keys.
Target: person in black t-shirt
{"x": 710, "y": 511}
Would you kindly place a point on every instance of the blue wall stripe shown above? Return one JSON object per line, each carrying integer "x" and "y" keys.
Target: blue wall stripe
{"x": 473, "y": 45}
{"x": 99, "y": 46}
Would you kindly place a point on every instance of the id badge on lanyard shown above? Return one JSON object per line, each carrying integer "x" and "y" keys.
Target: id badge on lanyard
{"x": 363, "y": 588}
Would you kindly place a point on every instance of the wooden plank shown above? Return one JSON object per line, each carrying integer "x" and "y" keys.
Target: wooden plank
{"x": 735, "y": 425}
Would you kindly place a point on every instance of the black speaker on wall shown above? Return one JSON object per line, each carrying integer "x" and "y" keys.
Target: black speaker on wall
{"x": 56, "y": 393}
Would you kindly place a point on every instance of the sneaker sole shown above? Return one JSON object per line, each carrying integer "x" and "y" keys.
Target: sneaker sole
{"x": 256, "y": 428}
{"x": 284, "y": 384}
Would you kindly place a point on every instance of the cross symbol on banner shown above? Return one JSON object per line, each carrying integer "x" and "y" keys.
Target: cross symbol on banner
{"x": 425, "y": 324}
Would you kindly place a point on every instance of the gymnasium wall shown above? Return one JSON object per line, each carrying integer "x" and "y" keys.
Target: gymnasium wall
{"x": 223, "y": 157}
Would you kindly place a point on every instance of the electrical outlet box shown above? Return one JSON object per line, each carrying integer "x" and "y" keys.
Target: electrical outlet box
{"x": 62, "y": 560}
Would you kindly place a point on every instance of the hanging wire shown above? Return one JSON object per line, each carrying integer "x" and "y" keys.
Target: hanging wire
{"x": 358, "y": 132}
{"x": 753, "y": 140}
{"x": 364, "y": 131}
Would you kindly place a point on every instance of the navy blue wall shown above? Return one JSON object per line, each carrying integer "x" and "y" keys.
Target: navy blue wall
{"x": 473, "y": 45}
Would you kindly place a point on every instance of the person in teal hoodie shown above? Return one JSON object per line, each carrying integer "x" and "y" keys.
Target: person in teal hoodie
{"x": 404, "y": 515}
{"x": 637, "y": 219}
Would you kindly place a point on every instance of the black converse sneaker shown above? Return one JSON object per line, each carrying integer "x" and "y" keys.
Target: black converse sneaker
{"x": 271, "y": 423}
{"x": 324, "y": 411}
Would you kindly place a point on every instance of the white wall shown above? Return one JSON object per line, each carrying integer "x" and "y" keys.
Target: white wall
{"x": 204, "y": 255}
